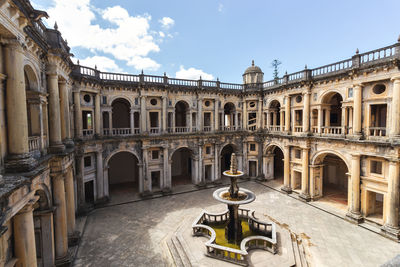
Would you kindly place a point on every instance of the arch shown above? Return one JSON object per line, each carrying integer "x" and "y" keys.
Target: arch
{"x": 182, "y": 166}
{"x": 319, "y": 156}
{"x": 123, "y": 173}
{"x": 274, "y": 162}
{"x": 271, "y": 146}
{"x": 112, "y": 99}
{"x": 45, "y": 201}
{"x": 229, "y": 107}
{"x": 328, "y": 94}
{"x": 31, "y": 78}
{"x": 274, "y": 104}
{"x": 181, "y": 113}
{"x": 225, "y": 156}
{"x": 109, "y": 156}
{"x": 121, "y": 112}
{"x": 275, "y": 99}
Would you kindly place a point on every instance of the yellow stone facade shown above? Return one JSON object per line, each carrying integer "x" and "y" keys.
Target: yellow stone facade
{"x": 331, "y": 133}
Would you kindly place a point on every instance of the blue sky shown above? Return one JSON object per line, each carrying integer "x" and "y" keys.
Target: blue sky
{"x": 188, "y": 38}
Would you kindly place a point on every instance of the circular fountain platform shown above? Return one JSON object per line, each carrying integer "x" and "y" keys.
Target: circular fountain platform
{"x": 245, "y": 196}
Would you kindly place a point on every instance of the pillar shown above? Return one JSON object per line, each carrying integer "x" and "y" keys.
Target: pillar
{"x": 268, "y": 114}
{"x": 286, "y": 170}
{"x": 216, "y": 162}
{"x": 54, "y": 112}
{"x": 167, "y": 173}
{"x": 147, "y": 180}
{"x": 287, "y": 114}
{"x": 60, "y": 218}
{"x": 354, "y": 204}
{"x": 306, "y": 113}
{"x": 78, "y": 114}
{"x": 143, "y": 117}
{"x": 259, "y": 115}
{"x": 391, "y": 226}
{"x": 17, "y": 125}
{"x": 97, "y": 115}
{"x": 320, "y": 111}
{"x": 305, "y": 194}
{"x": 216, "y": 115}
{"x": 100, "y": 175}
{"x": 245, "y": 116}
{"x": 164, "y": 114}
{"x": 357, "y": 110}
{"x": 200, "y": 178}
{"x": 199, "y": 115}
{"x": 110, "y": 121}
{"x": 80, "y": 186}
{"x": 70, "y": 201}
{"x": 236, "y": 124}
{"x": 24, "y": 237}
{"x": 65, "y": 119}
{"x": 395, "y": 109}
{"x": 132, "y": 121}
{"x": 281, "y": 121}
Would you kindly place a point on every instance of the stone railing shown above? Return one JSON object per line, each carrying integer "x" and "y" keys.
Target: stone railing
{"x": 331, "y": 130}
{"x": 34, "y": 143}
{"x": 229, "y": 128}
{"x": 207, "y": 128}
{"x": 238, "y": 256}
{"x": 87, "y": 132}
{"x": 377, "y": 131}
{"x": 154, "y": 130}
{"x": 274, "y": 128}
{"x": 298, "y": 129}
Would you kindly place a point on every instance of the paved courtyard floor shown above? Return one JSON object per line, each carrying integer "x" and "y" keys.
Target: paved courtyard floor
{"x": 133, "y": 234}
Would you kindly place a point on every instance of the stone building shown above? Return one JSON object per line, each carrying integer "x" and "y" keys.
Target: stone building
{"x": 72, "y": 136}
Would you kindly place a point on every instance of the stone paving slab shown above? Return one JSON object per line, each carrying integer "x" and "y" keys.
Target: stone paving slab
{"x": 132, "y": 234}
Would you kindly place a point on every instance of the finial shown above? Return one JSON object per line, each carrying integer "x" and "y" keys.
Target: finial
{"x": 285, "y": 72}
{"x": 217, "y": 79}
{"x": 233, "y": 167}
{"x": 78, "y": 62}
{"x": 55, "y": 26}
{"x": 142, "y": 71}
{"x": 165, "y": 74}
{"x": 398, "y": 39}
{"x": 200, "y": 77}
{"x": 357, "y": 51}
{"x": 305, "y": 67}
{"x": 252, "y": 63}
{"x": 95, "y": 67}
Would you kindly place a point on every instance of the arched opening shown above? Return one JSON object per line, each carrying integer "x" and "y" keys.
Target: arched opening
{"x": 226, "y": 153}
{"x": 273, "y": 164}
{"x": 181, "y": 115}
{"x": 121, "y": 109}
{"x": 182, "y": 166}
{"x": 274, "y": 115}
{"x": 333, "y": 187}
{"x": 43, "y": 224}
{"x": 229, "y": 116}
{"x": 123, "y": 174}
{"x": 332, "y": 113}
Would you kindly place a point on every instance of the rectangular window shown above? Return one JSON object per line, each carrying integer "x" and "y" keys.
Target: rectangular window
{"x": 376, "y": 167}
{"x": 136, "y": 101}
{"x": 252, "y": 147}
{"x": 350, "y": 92}
{"x": 208, "y": 150}
{"x": 104, "y": 100}
{"x": 87, "y": 161}
{"x": 297, "y": 153}
{"x": 154, "y": 154}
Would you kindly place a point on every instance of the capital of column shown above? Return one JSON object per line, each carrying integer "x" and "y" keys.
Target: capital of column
{"x": 355, "y": 156}
{"x": 29, "y": 206}
{"x": 395, "y": 79}
{"x": 357, "y": 86}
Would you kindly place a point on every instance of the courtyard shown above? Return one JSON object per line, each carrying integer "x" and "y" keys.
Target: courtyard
{"x": 136, "y": 233}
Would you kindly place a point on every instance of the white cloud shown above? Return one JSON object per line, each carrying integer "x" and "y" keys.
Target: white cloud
{"x": 167, "y": 22}
{"x": 161, "y": 34}
{"x": 220, "y": 7}
{"x": 130, "y": 38}
{"x": 103, "y": 63}
{"x": 192, "y": 74}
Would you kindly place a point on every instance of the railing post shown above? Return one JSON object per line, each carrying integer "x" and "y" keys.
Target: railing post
{"x": 200, "y": 83}
{"x": 306, "y": 74}
{"x": 218, "y": 84}
{"x": 285, "y": 78}
{"x": 141, "y": 77}
{"x": 165, "y": 78}
{"x": 356, "y": 60}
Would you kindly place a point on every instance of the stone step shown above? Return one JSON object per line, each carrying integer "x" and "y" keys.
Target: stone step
{"x": 174, "y": 253}
{"x": 299, "y": 251}
{"x": 182, "y": 253}
{"x": 372, "y": 226}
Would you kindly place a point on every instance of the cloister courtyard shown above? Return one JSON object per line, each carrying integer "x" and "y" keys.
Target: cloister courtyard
{"x": 130, "y": 231}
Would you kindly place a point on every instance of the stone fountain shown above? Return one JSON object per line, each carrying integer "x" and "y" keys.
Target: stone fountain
{"x": 235, "y": 231}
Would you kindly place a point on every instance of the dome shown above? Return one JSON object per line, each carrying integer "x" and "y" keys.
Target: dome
{"x": 253, "y": 68}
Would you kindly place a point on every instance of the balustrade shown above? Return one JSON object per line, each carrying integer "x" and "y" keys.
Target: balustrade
{"x": 274, "y": 128}
{"x": 154, "y": 130}
{"x": 87, "y": 132}
{"x": 34, "y": 143}
{"x": 298, "y": 129}
{"x": 207, "y": 128}
{"x": 332, "y": 130}
{"x": 377, "y": 131}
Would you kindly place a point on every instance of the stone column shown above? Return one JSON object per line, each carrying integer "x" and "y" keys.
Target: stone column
{"x": 354, "y": 204}
{"x": 24, "y": 237}
{"x": 70, "y": 201}
{"x": 216, "y": 162}
{"x": 281, "y": 121}
{"x": 216, "y": 115}
{"x": 143, "y": 115}
{"x": 259, "y": 115}
{"x": 236, "y": 124}
{"x": 395, "y": 109}
{"x": 305, "y": 194}
{"x": 65, "y": 119}
{"x": 167, "y": 174}
{"x": 100, "y": 175}
{"x": 306, "y": 113}
{"x": 80, "y": 186}
{"x": 200, "y": 115}
{"x": 54, "y": 113}
{"x": 97, "y": 115}
{"x": 147, "y": 180}
{"x": 110, "y": 121}
{"x": 268, "y": 114}
{"x": 164, "y": 114}
{"x": 391, "y": 226}
{"x": 287, "y": 114}
{"x": 18, "y": 150}
{"x": 320, "y": 119}
{"x": 268, "y": 166}
{"x": 357, "y": 111}
{"x": 60, "y": 218}
{"x": 132, "y": 121}
{"x": 200, "y": 178}
{"x": 245, "y": 159}
{"x": 78, "y": 114}
{"x": 190, "y": 121}
{"x": 245, "y": 116}
{"x": 286, "y": 170}
{"x": 141, "y": 180}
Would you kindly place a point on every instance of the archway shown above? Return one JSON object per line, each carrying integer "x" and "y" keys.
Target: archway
{"x": 274, "y": 113}
{"x": 333, "y": 187}
{"x": 181, "y": 167}
{"x": 181, "y": 114}
{"x": 121, "y": 109}
{"x": 273, "y": 164}
{"x": 226, "y": 153}
{"x": 123, "y": 174}
{"x": 332, "y": 113}
{"x": 229, "y": 116}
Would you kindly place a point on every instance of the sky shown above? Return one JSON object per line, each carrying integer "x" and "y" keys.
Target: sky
{"x": 219, "y": 38}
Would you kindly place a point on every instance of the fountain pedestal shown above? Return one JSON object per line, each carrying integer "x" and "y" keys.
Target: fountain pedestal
{"x": 233, "y": 231}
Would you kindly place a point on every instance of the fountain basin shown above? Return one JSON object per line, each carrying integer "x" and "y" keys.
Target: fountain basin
{"x": 221, "y": 192}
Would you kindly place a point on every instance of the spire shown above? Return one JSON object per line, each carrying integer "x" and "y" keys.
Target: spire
{"x": 55, "y": 26}
{"x": 357, "y": 51}
{"x": 252, "y": 63}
